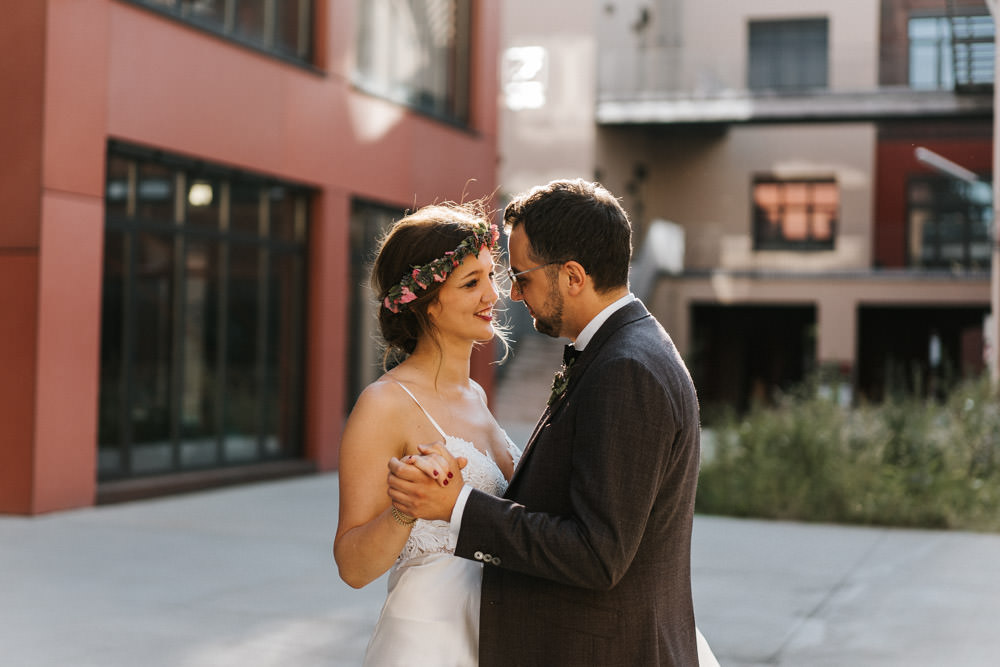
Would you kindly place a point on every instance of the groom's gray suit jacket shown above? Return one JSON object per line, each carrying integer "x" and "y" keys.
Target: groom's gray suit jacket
{"x": 587, "y": 557}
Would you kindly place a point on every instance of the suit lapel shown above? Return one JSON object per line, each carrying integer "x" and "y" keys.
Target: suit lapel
{"x": 542, "y": 422}
{"x": 626, "y": 315}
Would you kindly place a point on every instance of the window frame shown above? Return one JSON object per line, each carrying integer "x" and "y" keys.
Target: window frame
{"x": 227, "y": 29}
{"x": 776, "y": 62}
{"x": 374, "y": 68}
{"x": 954, "y": 202}
{"x": 759, "y": 222}
{"x": 274, "y": 373}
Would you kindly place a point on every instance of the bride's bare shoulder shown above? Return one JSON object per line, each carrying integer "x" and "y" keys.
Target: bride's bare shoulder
{"x": 384, "y": 396}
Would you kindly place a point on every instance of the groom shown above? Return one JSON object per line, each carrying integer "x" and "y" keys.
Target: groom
{"x": 587, "y": 555}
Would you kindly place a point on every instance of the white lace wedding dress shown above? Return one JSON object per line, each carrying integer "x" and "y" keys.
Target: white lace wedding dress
{"x": 431, "y": 613}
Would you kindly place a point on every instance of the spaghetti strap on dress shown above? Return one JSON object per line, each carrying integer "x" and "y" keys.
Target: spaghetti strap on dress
{"x": 431, "y": 613}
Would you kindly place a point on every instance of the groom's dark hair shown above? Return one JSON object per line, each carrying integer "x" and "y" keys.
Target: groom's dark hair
{"x": 576, "y": 220}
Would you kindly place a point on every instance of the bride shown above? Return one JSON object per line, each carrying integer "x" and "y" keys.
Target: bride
{"x": 434, "y": 275}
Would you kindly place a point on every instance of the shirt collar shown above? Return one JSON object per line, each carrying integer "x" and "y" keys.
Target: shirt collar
{"x": 602, "y": 317}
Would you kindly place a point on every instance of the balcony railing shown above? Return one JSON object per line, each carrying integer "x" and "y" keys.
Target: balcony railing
{"x": 667, "y": 85}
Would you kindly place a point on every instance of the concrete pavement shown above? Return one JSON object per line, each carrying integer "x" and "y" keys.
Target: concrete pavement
{"x": 244, "y": 576}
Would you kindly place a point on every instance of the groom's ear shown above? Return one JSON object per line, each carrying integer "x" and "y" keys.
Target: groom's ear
{"x": 577, "y": 277}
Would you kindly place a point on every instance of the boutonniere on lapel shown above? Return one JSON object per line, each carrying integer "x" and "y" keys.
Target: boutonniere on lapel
{"x": 561, "y": 379}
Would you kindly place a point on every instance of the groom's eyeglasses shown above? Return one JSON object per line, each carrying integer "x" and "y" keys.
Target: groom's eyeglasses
{"x": 515, "y": 283}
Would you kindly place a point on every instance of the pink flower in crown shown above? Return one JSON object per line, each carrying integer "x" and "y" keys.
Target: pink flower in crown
{"x": 494, "y": 234}
{"x": 390, "y": 306}
{"x": 407, "y": 295}
{"x": 440, "y": 277}
{"x": 417, "y": 280}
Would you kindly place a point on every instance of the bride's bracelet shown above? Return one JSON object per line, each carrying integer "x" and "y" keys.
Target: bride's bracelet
{"x": 402, "y": 519}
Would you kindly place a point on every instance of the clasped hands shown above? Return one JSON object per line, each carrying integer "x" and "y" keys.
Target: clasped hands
{"x": 427, "y": 485}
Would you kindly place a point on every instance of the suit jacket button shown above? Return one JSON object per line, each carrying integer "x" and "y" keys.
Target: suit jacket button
{"x": 496, "y": 560}
{"x": 478, "y": 555}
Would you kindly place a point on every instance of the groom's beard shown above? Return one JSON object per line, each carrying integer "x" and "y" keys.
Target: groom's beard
{"x": 550, "y": 323}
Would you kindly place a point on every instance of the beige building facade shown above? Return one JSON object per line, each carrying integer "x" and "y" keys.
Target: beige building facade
{"x": 777, "y": 140}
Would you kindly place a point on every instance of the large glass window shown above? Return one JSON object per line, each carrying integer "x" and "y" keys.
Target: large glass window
{"x": 945, "y": 52}
{"x": 788, "y": 55}
{"x": 203, "y": 317}
{"x": 794, "y": 214}
{"x": 950, "y": 222}
{"x": 283, "y": 27}
{"x": 417, "y": 52}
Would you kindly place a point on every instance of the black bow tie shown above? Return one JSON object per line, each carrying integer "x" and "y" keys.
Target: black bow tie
{"x": 569, "y": 354}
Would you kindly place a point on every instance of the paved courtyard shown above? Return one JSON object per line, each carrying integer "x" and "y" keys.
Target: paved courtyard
{"x": 245, "y": 577}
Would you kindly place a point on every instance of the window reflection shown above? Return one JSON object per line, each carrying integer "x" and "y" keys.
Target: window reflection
{"x": 203, "y": 202}
{"x": 950, "y": 222}
{"x": 250, "y": 20}
{"x": 791, "y": 214}
{"x": 155, "y": 196}
{"x": 417, "y": 52}
{"x": 208, "y": 12}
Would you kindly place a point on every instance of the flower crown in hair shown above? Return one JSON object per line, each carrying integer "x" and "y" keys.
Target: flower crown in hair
{"x": 484, "y": 236}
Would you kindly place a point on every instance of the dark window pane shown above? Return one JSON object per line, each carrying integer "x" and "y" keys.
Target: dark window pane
{"x": 292, "y": 27}
{"x": 244, "y": 208}
{"x": 283, "y": 408}
{"x": 152, "y": 324}
{"x": 287, "y": 209}
{"x": 110, "y": 435}
{"x": 368, "y": 223}
{"x": 155, "y": 197}
{"x": 242, "y": 338}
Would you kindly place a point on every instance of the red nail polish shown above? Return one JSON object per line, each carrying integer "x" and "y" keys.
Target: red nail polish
{"x": 450, "y": 475}
{"x": 446, "y": 482}
{"x": 435, "y": 473}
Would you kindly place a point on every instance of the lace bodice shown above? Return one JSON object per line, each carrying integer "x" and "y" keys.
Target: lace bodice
{"x": 482, "y": 474}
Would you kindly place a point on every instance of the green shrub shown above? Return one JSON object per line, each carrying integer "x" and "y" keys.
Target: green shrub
{"x": 905, "y": 462}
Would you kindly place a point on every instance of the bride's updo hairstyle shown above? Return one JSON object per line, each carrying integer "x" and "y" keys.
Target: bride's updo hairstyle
{"x": 407, "y": 273}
